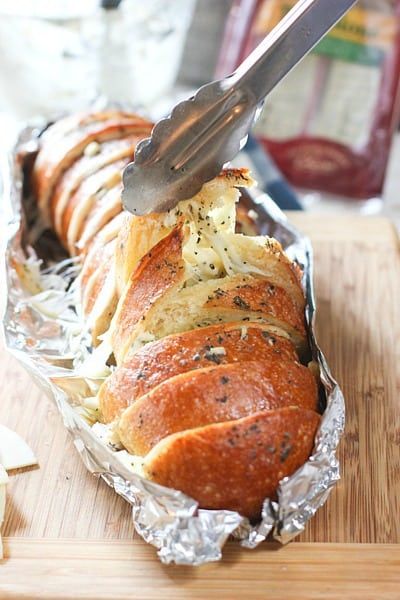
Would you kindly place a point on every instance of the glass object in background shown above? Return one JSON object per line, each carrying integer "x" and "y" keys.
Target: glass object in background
{"x": 47, "y": 56}
{"x": 60, "y": 56}
{"x": 141, "y": 48}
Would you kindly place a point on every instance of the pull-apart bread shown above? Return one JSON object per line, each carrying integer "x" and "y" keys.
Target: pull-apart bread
{"x": 206, "y": 325}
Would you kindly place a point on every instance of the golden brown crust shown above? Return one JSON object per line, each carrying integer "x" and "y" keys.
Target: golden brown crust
{"x": 240, "y": 175}
{"x": 266, "y": 255}
{"x": 91, "y": 264}
{"x": 77, "y": 121}
{"x": 157, "y": 272}
{"x": 213, "y": 395}
{"x": 237, "y": 464}
{"x": 187, "y": 309}
{"x": 137, "y": 236}
{"x": 175, "y": 354}
{"x": 260, "y": 296}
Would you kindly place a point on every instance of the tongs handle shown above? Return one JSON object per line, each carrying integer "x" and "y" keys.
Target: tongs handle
{"x": 285, "y": 46}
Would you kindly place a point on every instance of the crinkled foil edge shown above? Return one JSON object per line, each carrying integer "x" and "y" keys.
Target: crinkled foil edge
{"x": 166, "y": 518}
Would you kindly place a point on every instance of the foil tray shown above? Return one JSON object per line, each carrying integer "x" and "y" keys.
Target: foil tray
{"x": 41, "y": 330}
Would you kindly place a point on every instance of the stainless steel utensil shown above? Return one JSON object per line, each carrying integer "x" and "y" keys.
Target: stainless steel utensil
{"x": 203, "y": 133}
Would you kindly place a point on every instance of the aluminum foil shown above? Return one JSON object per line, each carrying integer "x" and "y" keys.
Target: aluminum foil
{"x": 41, "y": 329}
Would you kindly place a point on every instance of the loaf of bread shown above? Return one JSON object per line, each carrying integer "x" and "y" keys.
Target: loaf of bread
{"x": 205, "y": 324}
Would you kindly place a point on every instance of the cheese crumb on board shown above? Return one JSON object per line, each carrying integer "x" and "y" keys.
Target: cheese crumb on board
{"x": 3, "y": 484}
{"x": 14, "y": 451}
{"x": 14, "y": 454}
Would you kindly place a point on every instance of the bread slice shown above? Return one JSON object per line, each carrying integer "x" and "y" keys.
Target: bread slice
{"x": 76, "y": 122}
{"x": 136, "y": 237}
{"x": 96, "y": 283}
{"x": 159, "y": 275}
{"x": 94, "y": 157}
{"x": 58, "y": 152}
{"x": 235, "y": 465}
{"x": 83, "y": 201}
{"x": 196, "y": 349}
{"x": 223, "y": 277}
{"x": 103, "y": 210}
{"x": 96, "y": 278}
{"x": 215, "y": 301}
{"x": 94, "y": 251}
{"x": 99, "y": 296}
{"x": 212, "y": 395}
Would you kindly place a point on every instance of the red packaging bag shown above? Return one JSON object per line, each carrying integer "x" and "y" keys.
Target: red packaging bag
{"x": 329, "y": 124}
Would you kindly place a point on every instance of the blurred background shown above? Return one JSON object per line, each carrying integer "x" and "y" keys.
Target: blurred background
{"x": 326, "y": 139}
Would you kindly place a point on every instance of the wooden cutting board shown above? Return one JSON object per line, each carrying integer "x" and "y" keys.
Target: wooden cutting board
{"x": 67, "y": 535}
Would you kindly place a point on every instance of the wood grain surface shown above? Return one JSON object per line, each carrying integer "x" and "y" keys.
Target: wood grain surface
{"x": 125, "y": 570}
{"x": 71, "y": 536}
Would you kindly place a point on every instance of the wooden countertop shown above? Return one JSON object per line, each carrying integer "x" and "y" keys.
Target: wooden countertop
{"x": 67, "y": 535}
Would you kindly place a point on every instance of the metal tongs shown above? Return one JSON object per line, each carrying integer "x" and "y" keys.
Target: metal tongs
{"x": 205, "y": 132}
